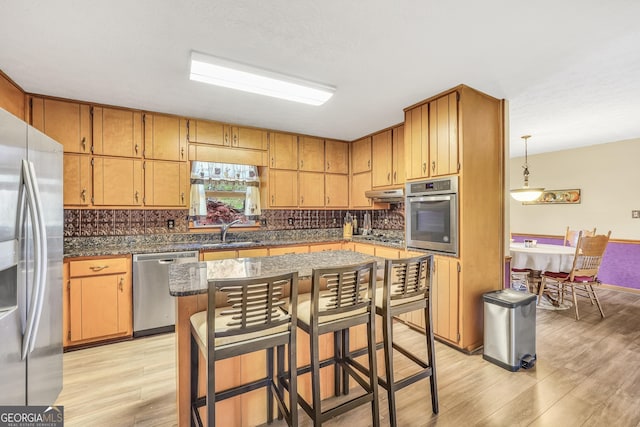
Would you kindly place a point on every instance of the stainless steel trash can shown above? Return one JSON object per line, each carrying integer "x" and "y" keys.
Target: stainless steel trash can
{"x": 510, "y": 328}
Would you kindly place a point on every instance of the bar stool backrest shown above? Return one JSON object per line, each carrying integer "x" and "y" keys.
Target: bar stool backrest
{"x": 408, "y": 278}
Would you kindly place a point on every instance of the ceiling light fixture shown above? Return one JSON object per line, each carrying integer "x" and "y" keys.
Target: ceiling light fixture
{"x": 226, "y": 73}
{"x": 526, "y": 194}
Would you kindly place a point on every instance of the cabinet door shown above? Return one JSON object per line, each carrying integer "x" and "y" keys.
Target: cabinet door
{"x": 301, "y": 249}
{"x": 165, "y": 137}
{"x": 382, "y": 159}
{"x": 398, "y": 156}
{"x": 99, "y": 306}
{"x": 359, "y": 184}
{"x": 117, "y": 132}
{"x": 69, "y": 123}
{"x": 77, "y": 179}
{"x": 206, "y": 132}
{"x": 255, "y": 139}
{"x": 283, "y": 151}
{"x": 361, "y": 155}
{"x": 311, "y": 153}
{"x": 325, "y": 247}
{"x": 215, "y": 255}
{"x": 165, "y": 183}
{"x": 336, "y": 190}
{"x": 337, "y": 156}
{"x": 443, "y": 135}
{"x": 311, "y": 189}
{"x": 385, "y": 252}
{"x": 416, "y": 136}
{"x": 283, "y": 188}
{"x": 117, "y": 181}
{"x": 445, "y": 295}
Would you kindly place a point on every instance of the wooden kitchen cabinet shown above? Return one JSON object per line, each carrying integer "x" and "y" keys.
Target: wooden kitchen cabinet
{"x": 416, "y": 146}
{"x": 443, "y": 135}
{"x": 255, "y": 139}
{"x": 77, "y": 189}
{"x": 117, "y": 132}
{"x": 359, "y": 184}
{"x": 325, "y": 247}
{"x": 12, "y": 98}
{"x": 336, "y": 190}
{"x": 445, "y": 294}
{"x": 398, "y": 159}
{"x": 311, "y": 154}
{"x": 284, "y": 250}
{"x": 165, "y": 183}
{"x": 99, "y": 300}
{"x": 208, "y": 132}
{"x": 117, "y": 181}
{"x": 69, "y": 123}
{"x": 361, "y": 155}
{"x": 382, "y": 159}
{"x": 337, "y": 156}
{"x": 312, "y": 189}
{"x": 165, "y": 137}
{"x": 283, "y": 188}
{"x": 283, "y": 151}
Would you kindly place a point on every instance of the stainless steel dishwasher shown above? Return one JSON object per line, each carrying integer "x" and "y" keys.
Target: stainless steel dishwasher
{"x": 154, "y": 309}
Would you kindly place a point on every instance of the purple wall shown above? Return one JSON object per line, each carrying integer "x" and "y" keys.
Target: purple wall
{"x": 619, "y": 266}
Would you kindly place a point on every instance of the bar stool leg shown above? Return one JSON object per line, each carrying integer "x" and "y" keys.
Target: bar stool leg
{"x": 345, "y": 355}
{"x": 388, "y": 367}
{"x": 315, "y": 379}
{"x": 279, "y": 374}
{"x": 431, "y": 360}
{"x": 373, "y": 376}
{"x": 337, "y": 370}
{"x": 269, "y": 376}
{"x": 194, "y": 380}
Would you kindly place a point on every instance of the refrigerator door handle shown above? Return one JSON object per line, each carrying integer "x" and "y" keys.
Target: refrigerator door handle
{"x": 40, "y": 255}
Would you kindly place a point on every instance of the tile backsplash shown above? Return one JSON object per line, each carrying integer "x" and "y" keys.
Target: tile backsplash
{"x": 125, "y": 222}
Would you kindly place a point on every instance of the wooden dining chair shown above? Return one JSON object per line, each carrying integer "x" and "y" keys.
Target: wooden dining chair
{"x": 246, "y": 316}
{"x": 582, "y": 278}
{"x": 571, "y": 236}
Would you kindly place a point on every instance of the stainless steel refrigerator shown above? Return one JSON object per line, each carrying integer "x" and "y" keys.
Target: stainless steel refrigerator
{"x": 31, "y": 237}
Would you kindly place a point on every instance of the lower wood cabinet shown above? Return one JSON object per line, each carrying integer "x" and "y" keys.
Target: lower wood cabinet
{"x": 97, "y": 300}
{"x": 445, "y": 293}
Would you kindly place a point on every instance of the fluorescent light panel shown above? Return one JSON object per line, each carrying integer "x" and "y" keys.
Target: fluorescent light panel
{"x": 225, "y": 73}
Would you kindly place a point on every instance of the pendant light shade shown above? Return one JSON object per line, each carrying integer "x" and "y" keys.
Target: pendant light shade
{"x": 526, "y": 194}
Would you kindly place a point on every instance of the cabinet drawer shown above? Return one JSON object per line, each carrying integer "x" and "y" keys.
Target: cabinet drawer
{"x": 97, "y": 267}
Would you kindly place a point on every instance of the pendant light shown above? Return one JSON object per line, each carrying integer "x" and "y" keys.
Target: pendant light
{"x": 526, "y": 194}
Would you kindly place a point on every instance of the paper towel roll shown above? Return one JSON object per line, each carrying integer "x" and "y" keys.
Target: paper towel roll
{"x": 252, "y": 201}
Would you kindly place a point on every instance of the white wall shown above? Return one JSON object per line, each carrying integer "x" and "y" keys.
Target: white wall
{"x": 608, "y": 176}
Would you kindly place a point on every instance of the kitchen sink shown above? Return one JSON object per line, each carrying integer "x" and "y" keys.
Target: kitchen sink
{"x": 230, "y": 245}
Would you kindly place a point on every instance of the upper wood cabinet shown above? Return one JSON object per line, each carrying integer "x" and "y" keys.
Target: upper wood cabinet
{"x": 117, "y": 181}
{"x": 337, "y": 156}
{"x": 311, "y": 189}
{"x": 117, "y": 132}
{"x": 416, "y": 146}
{"x": 336, "y": 190}
{"x": 443, "y": 135}
{"x": 77, "y": 180}
{"x": 165, "y": 183}
{"x": 12, "y": 98}
{"x": 283, "y": 151}
{"x": 382, "y": 159}
{"x": 311, "y": 154}
{"x": 69, "y": 123}
{"x": 255, "y": 139}
{"x": 359, "y": 184}
{"x": 361, "y": 155}
{"x": 283, "y": 188}
{"x": 165, "y": 137}
{"x": 207, "y": 132}
{"x": 399, "y": 171}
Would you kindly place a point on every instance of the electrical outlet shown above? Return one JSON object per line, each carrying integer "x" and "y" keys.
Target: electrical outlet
{"x": 290, "y": 221}
{"x": 334, "y": 222}
{"x": 386, "y": 221}
{"x": 171, "y": 224}
{"x": 263, "y": 222}
{"x": 635, "y": 214}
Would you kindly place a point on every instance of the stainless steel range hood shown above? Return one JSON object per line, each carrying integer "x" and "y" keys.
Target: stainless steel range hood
{"x": 386, "y": 196}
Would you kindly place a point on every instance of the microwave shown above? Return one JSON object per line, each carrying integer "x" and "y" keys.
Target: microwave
{"x": 431, "y": 215}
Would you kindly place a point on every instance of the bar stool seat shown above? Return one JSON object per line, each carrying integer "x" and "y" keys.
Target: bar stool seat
{"x": 256, "y": 315}
{"x": 344, "y": 303}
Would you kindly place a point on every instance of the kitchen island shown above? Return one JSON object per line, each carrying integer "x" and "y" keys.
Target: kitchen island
{"x": 188, "y": 282}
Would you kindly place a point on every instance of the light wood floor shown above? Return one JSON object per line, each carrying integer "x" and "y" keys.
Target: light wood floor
{"x": 587, "y": 374}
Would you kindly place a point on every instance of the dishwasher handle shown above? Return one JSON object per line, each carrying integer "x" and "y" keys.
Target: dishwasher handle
{"x": 167, "y": 261}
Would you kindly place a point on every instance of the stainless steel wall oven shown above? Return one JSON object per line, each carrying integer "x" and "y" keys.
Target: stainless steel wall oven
{"x": 432, "y": 215}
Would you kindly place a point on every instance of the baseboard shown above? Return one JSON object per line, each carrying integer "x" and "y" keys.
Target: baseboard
{"x": 620, "y": 288}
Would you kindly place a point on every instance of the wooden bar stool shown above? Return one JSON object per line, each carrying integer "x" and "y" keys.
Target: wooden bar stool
{"x": 406, "y": 288}
{"x": 252, "y": 314}
{"x": 344, "y": 303}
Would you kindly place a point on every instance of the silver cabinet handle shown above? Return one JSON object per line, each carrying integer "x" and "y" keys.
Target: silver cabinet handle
{"x": 98, "y": 267}
{"x": 301, "y": 164}
{"x": 424, "y": 167}
{"x": 136, "y": 195}
{"x": 433, "y": 166}
{"x": 388, "y": 176}
{"x": 83, "y": 194}
{"x": 182, "y": 196}
{"x": 136, "y": 148}
{"x": 182, "y": 153}
{"x": 83, "y": 141}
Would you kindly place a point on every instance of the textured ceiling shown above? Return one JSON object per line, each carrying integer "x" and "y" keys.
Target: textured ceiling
{"x": 570, "y": 69}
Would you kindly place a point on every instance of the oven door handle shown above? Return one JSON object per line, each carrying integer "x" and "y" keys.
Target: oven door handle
{"x": 442, "y": 198}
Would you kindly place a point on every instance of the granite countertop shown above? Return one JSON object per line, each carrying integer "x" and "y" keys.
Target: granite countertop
{"x": 106, "y": 247}
{"x": 191, "y": 278}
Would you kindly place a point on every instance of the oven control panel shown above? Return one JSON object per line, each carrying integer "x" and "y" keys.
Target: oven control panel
{"x": 437, "y": 186}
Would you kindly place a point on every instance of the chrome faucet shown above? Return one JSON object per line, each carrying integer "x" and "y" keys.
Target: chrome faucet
{"x": 225, "y": 227}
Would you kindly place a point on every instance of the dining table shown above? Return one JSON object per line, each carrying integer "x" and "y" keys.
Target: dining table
{"x": 542, "y": 257}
